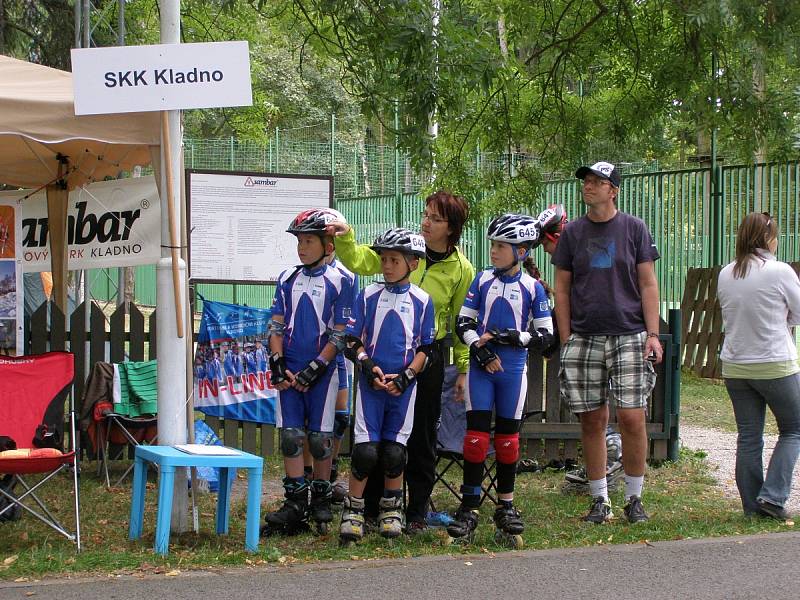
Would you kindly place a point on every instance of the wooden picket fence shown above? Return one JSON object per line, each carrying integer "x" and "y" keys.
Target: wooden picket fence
{"x": 128, "y": 335}
{"x": 701, "y": 328}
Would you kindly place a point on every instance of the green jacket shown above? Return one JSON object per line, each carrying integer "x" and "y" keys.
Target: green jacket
{"x": 446, "y": 282}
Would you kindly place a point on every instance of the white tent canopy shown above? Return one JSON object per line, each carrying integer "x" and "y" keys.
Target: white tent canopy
{"x": 43, "y": 144}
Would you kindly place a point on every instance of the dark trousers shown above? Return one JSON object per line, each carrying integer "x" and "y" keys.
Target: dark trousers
{"x": 420, "y": 468}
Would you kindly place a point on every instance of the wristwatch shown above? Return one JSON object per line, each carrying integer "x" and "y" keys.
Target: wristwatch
{"x": 652, "y": 334}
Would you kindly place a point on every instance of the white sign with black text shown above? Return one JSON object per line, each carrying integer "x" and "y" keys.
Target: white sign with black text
{"x": 238, "y": 222}
{"x": 161, "y": 77}
{"x": 109, "y": 224}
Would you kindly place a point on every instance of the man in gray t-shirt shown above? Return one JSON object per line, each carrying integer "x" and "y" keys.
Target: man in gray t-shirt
{"x": 607, "y": 314}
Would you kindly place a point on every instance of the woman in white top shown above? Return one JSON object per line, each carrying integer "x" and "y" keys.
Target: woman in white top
{"x": 760, "y": 301}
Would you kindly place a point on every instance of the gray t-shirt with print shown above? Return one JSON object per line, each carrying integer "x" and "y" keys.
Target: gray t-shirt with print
{"x": 604, "y": 297}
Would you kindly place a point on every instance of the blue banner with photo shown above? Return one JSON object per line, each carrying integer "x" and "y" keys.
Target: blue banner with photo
{"x": 231, "y": 373}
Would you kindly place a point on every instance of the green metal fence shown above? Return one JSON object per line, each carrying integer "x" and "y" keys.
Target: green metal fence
{"x": 676, "y": 205}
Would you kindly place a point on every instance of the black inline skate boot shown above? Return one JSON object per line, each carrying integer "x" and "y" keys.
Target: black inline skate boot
{"x": 462, "y": 528}
{"x": 292, "y": 517}
{"x": 509, "y": 525}
{"x": 320, "y": 510}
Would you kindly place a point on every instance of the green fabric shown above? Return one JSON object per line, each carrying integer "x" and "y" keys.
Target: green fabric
{"x": 765, "y": 370}
{"x": 138, "y": 389}
{"x": 447, "y": 282}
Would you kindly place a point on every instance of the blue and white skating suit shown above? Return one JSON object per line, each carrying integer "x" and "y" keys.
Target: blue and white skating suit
{"x": 503, "y": 302}
{"x": 311, "y": 302}
{"x": 393, "y": 322}
{"x": 250, "y": 363}
{"x": 233, "y": 364}
{"x": 345, "y": 367}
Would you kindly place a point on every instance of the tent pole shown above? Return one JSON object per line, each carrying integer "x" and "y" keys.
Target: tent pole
{"x": 173, "y": 226}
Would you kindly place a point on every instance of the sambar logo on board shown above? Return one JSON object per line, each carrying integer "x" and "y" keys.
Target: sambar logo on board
{"x": 250, "y": 182}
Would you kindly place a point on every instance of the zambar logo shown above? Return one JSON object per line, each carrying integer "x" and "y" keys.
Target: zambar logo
{"x": 250, "y": 182}
{"x": 83, "y": 228}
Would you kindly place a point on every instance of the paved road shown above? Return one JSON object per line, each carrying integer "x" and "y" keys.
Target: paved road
{"x": 762, "y": 566}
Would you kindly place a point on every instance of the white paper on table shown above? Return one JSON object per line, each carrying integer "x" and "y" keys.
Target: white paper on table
{"x": 204, "y": 450}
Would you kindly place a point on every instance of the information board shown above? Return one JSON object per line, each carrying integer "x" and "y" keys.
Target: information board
{"x": 238, "y": 221}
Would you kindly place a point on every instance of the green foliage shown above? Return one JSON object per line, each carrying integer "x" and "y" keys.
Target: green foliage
{"x": 553, "y": 82}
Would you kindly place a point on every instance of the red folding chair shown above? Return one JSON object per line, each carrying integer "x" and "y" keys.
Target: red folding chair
{"x": 33, "y": 391}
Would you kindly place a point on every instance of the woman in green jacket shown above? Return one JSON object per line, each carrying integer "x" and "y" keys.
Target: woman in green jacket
{"x": 445, "y": 274}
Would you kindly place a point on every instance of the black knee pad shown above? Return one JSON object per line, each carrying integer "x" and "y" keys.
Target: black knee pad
{"x": 292, "y": 441}
{"x": 393, "y": 458}
{"x": 340, "y": 422}
{"x": 320, "y": 444}
{"x": 365, "y": 457}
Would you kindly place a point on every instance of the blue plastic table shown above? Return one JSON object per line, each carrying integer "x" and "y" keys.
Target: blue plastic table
{"x": 168, "y": 459}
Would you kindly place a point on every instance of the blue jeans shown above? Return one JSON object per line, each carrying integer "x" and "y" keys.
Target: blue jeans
{"x": 750, "y": 397}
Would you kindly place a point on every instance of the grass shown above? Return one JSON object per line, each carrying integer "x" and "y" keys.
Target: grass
{"x": 681, "y": 497}
{"x": 705, "y": 403}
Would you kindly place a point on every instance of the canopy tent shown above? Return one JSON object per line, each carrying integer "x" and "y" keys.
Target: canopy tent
{"x": 43, "y": 144}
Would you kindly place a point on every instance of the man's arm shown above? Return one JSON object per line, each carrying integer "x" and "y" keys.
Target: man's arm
{"x": 562, "y": 308}
{"x": 648, "y": 287}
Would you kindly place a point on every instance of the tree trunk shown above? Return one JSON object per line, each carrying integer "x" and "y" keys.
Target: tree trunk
{"x": 501, "y": 34}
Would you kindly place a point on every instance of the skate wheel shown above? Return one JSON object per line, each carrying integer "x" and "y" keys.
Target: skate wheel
{"x": 513, "y": 541}
{"x": 460, "y": 541}
{"x": 322, "y": 528}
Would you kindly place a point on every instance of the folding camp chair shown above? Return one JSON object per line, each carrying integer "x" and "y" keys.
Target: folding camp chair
{"x": 119, "y": 413}
{"x": 33, "y": 390}
{"x": 450, "y": 442}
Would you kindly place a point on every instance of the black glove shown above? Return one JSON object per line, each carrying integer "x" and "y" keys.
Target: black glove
{"x": 482, "y": 355}
{"x": 277, "y": 368}
{"x": 367, "y": 366}
{"x": 541, "y": 340}
{"x": 508, "y": 337}
{"x": 311, "y": 374}
{"x": 404, "y": 379}
{"x": 552, "y": 349}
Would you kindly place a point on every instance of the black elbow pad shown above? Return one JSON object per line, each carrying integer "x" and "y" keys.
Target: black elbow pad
{"x": 464, "y": 324}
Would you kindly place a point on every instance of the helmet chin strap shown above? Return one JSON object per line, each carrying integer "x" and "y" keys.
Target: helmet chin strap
{"x": 317, "y": 262}
{"x": 498, "y": 271}
{"x": 408, "y": 272}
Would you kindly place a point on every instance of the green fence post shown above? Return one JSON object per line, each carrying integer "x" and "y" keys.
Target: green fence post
{"x": 333, "y": 148}
{"x": 233, "y": 152}
{"x": 398, "y": 197}
{"x": 480, "y": 239}
{"x": 673, "y": 445}
{"x": 277, "y": 149}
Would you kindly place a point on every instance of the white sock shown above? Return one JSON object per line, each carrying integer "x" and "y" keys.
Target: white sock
{"x": 599, "y": 487}
{"x": 633, "y": 486}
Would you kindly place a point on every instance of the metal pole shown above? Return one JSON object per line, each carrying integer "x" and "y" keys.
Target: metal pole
{"x": 78, "y": 20}
{"x": 121, "y": 23}
{"x": 673, "y": 445}
{"x": 123, "y": 273}
{"x": 86, "y": 14}
{"x": 398, "y": 198}
{"x": 172, "y": 350}
{"x": 333, "y": 147}
{"x": 717, "y": 210}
